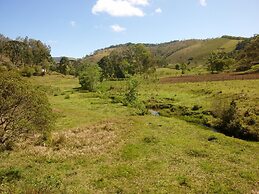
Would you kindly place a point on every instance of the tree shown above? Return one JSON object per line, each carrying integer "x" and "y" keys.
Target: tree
{"x": 218, "y": 61}
{"x": 15, "y": 51}
{"x": 23, "y": 109}
{"x": 247, "y": 53}
{"x": 3, "y": 40}
{"x": 40, "y": 52}
{"x": 24, "y": 52}
{"x": 90, "y": 77}
{"x": 63, "y": 66}
{"x": 130, "y": 60}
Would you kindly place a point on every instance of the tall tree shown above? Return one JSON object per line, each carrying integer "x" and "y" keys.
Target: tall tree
{"x": 63, "y": 66}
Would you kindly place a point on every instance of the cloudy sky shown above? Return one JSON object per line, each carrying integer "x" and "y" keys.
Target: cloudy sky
{"x": 78, "y": 27}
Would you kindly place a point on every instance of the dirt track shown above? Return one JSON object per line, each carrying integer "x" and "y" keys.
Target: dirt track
{"x": 209, "y": 77}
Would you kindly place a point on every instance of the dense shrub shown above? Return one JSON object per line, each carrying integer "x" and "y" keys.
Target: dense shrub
{"x": 131, "y": 93}
{"x": 233, "y": 123}
{"x": 23, "y": 109}
{"x": 89, "y": 77}
{"x": 27, "y": 71}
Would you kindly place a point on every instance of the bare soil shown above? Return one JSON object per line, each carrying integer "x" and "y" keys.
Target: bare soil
{"x": 209, "y": 77}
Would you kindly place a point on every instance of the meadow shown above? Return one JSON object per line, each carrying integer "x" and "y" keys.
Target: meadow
{"x": 99, "y": 145}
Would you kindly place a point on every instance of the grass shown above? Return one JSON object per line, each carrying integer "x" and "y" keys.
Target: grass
{"x": 104, "y": 147}
{"x": 181, "y": 51}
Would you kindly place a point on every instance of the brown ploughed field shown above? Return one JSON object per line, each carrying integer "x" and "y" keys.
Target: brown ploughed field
{"x": 209, "y": 77}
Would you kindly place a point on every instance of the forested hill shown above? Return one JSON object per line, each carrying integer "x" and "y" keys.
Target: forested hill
{"x": 180, "y": 51}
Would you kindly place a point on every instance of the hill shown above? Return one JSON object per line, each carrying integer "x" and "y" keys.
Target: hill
{"x": 180, "y": 51}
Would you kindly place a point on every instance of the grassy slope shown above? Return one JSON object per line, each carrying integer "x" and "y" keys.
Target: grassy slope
{"x": 120, "y": 152}
{"x": 181, "y": 51}
{"x": 200, "y": 50}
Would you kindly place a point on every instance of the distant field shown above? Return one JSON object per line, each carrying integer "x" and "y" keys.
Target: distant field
{"x": 100, "y": 146}
{"x": 210, "y": 77}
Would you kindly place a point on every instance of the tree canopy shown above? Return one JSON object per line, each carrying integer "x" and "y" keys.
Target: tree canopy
{"x": 219, "y": 61}
{"x": 133, "y": 59}
{"x": 24, "y": 52}
{"x": 23, "y": 109}
{"x": 248, "y": 53}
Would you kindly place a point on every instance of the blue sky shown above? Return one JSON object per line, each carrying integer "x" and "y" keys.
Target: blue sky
{"x": 78, "y": 27}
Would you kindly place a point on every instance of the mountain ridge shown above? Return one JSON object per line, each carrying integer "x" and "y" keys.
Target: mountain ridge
{"x": 179, "y": 51}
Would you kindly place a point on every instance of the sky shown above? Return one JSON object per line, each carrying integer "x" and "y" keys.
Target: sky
{"x": 76, "y": 28}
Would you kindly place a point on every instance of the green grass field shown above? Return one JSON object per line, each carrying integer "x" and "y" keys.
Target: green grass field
{"x": 99, "y": 146}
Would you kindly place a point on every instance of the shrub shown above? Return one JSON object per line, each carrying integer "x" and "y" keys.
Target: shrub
{"x": 27, "y": 71}
{"x": 37, "y": 70}
{"x": 23, "y": 109}
{"x": 196, "y": 107}
{"x": 67, "y": 97}
{"x": 232, "y": 123}
{"x": 131, "y": 93}
{"x": 89, "y": 78}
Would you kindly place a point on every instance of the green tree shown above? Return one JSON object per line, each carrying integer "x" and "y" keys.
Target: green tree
{"x": 63, "y": 66}
{"x": 247, "y": 53}
{"x": 107, "y": 67}
{"x": 130, "y": 60}
{"x": 219, "y": 61}
{"x": 90, "y": 77}
{"x": 15, "y": 50}
{"x": 23, "y": 109}
{"x": 40, "y": 52}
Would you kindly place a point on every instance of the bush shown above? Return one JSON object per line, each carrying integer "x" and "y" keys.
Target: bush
{"x": 232, "y": 123}
{"x": 67, "y": 97}
{"x": 27, "y": 71}
{"x": 89, "y": 78}
{"x": 131, "y": 93}
{"x": 23, "y": 109}
{"x": 37, "y": 71}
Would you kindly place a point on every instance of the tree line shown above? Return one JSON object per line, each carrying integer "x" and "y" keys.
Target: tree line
{"x": 244, "y": 57}
{"x": 27, "y": 55}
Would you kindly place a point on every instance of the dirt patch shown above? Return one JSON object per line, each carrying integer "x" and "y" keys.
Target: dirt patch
{"x": 210, "y": 77}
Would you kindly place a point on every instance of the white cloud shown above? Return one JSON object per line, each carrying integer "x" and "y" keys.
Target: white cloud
{"x": 203, "y": 3}
{"x": 139, "y": 2}
{"x": 120, "y": 8}
{"x": 158, "y": 10}
{"x": 72, "y": 23}
{"x": 117, "y": 28}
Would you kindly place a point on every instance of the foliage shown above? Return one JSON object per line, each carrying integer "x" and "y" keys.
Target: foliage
{"x": 25, "y": 52}
{"x": 219, "y": 61}
{"x": 90, "y": 77}
{"x": 134, "y": 59}
{"x": 247, "y": 53}
{"x": 27, "y": 71}
{"x": 131, "y": 93}
{"x": 232, "y": 123}
{"x": 63, "y": 66}
{"x": 183, "y": 67}
{"x": 176, "y": 51}
{"x": 23, "y": 109}
{"x": 177, "y": 66}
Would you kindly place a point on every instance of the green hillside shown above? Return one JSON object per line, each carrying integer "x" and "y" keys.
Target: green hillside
{"x": 198, "y": 50}
{"x": 179, "y": 51}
